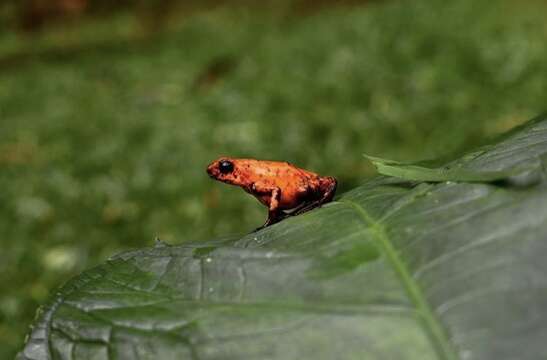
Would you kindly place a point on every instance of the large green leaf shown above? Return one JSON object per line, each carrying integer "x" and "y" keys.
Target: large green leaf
{"x": 417, "y": 268}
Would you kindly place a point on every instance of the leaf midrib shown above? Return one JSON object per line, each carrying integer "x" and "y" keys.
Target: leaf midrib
{"x": 431, "y": 323}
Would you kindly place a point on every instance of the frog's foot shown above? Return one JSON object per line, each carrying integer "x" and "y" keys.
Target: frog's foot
{"x": 273, "y": 217}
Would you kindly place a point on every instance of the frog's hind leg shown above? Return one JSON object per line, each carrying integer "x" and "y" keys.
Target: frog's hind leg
{"x": 327, "y": 196}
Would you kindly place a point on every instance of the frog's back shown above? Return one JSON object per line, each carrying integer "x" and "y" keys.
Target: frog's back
{"x": 268, "y": 169}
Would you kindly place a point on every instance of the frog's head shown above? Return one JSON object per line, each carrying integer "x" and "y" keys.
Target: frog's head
{"x": 223, "y": 169}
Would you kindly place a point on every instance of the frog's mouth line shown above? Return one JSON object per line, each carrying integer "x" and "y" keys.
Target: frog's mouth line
{"x": 227, "y": 181}
{"x": 215, "y": 177}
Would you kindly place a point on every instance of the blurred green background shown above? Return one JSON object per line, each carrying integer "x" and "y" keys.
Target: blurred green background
{"x": 110, "y": 114}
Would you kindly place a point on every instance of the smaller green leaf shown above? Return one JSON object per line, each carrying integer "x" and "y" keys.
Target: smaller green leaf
{"x": 445, "y": 173}
{"x": 519, "y": 157}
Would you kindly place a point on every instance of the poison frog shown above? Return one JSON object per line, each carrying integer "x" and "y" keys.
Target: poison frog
{"x": 282, "y": 187}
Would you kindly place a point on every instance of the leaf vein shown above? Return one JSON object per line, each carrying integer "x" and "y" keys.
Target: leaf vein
{"x": 431, "y": 323}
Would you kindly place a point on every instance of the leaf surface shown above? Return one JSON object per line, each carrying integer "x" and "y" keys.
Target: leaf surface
{"x": 420, "y": 266}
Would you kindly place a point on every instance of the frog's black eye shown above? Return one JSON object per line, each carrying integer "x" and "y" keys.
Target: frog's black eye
{"x": 226, "y": 166}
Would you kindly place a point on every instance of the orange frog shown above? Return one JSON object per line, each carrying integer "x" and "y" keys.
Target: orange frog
{"x": 285, "y": 189}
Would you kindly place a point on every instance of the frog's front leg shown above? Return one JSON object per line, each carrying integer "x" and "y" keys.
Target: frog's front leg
{"x": 274, "y": 192}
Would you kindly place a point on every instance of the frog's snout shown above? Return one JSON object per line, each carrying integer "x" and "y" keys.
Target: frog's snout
{"x": 212, "y": 170}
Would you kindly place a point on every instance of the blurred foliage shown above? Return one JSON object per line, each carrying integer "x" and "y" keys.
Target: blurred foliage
{"x": 105, "y": 133}
{"x": 35, "y": 15}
